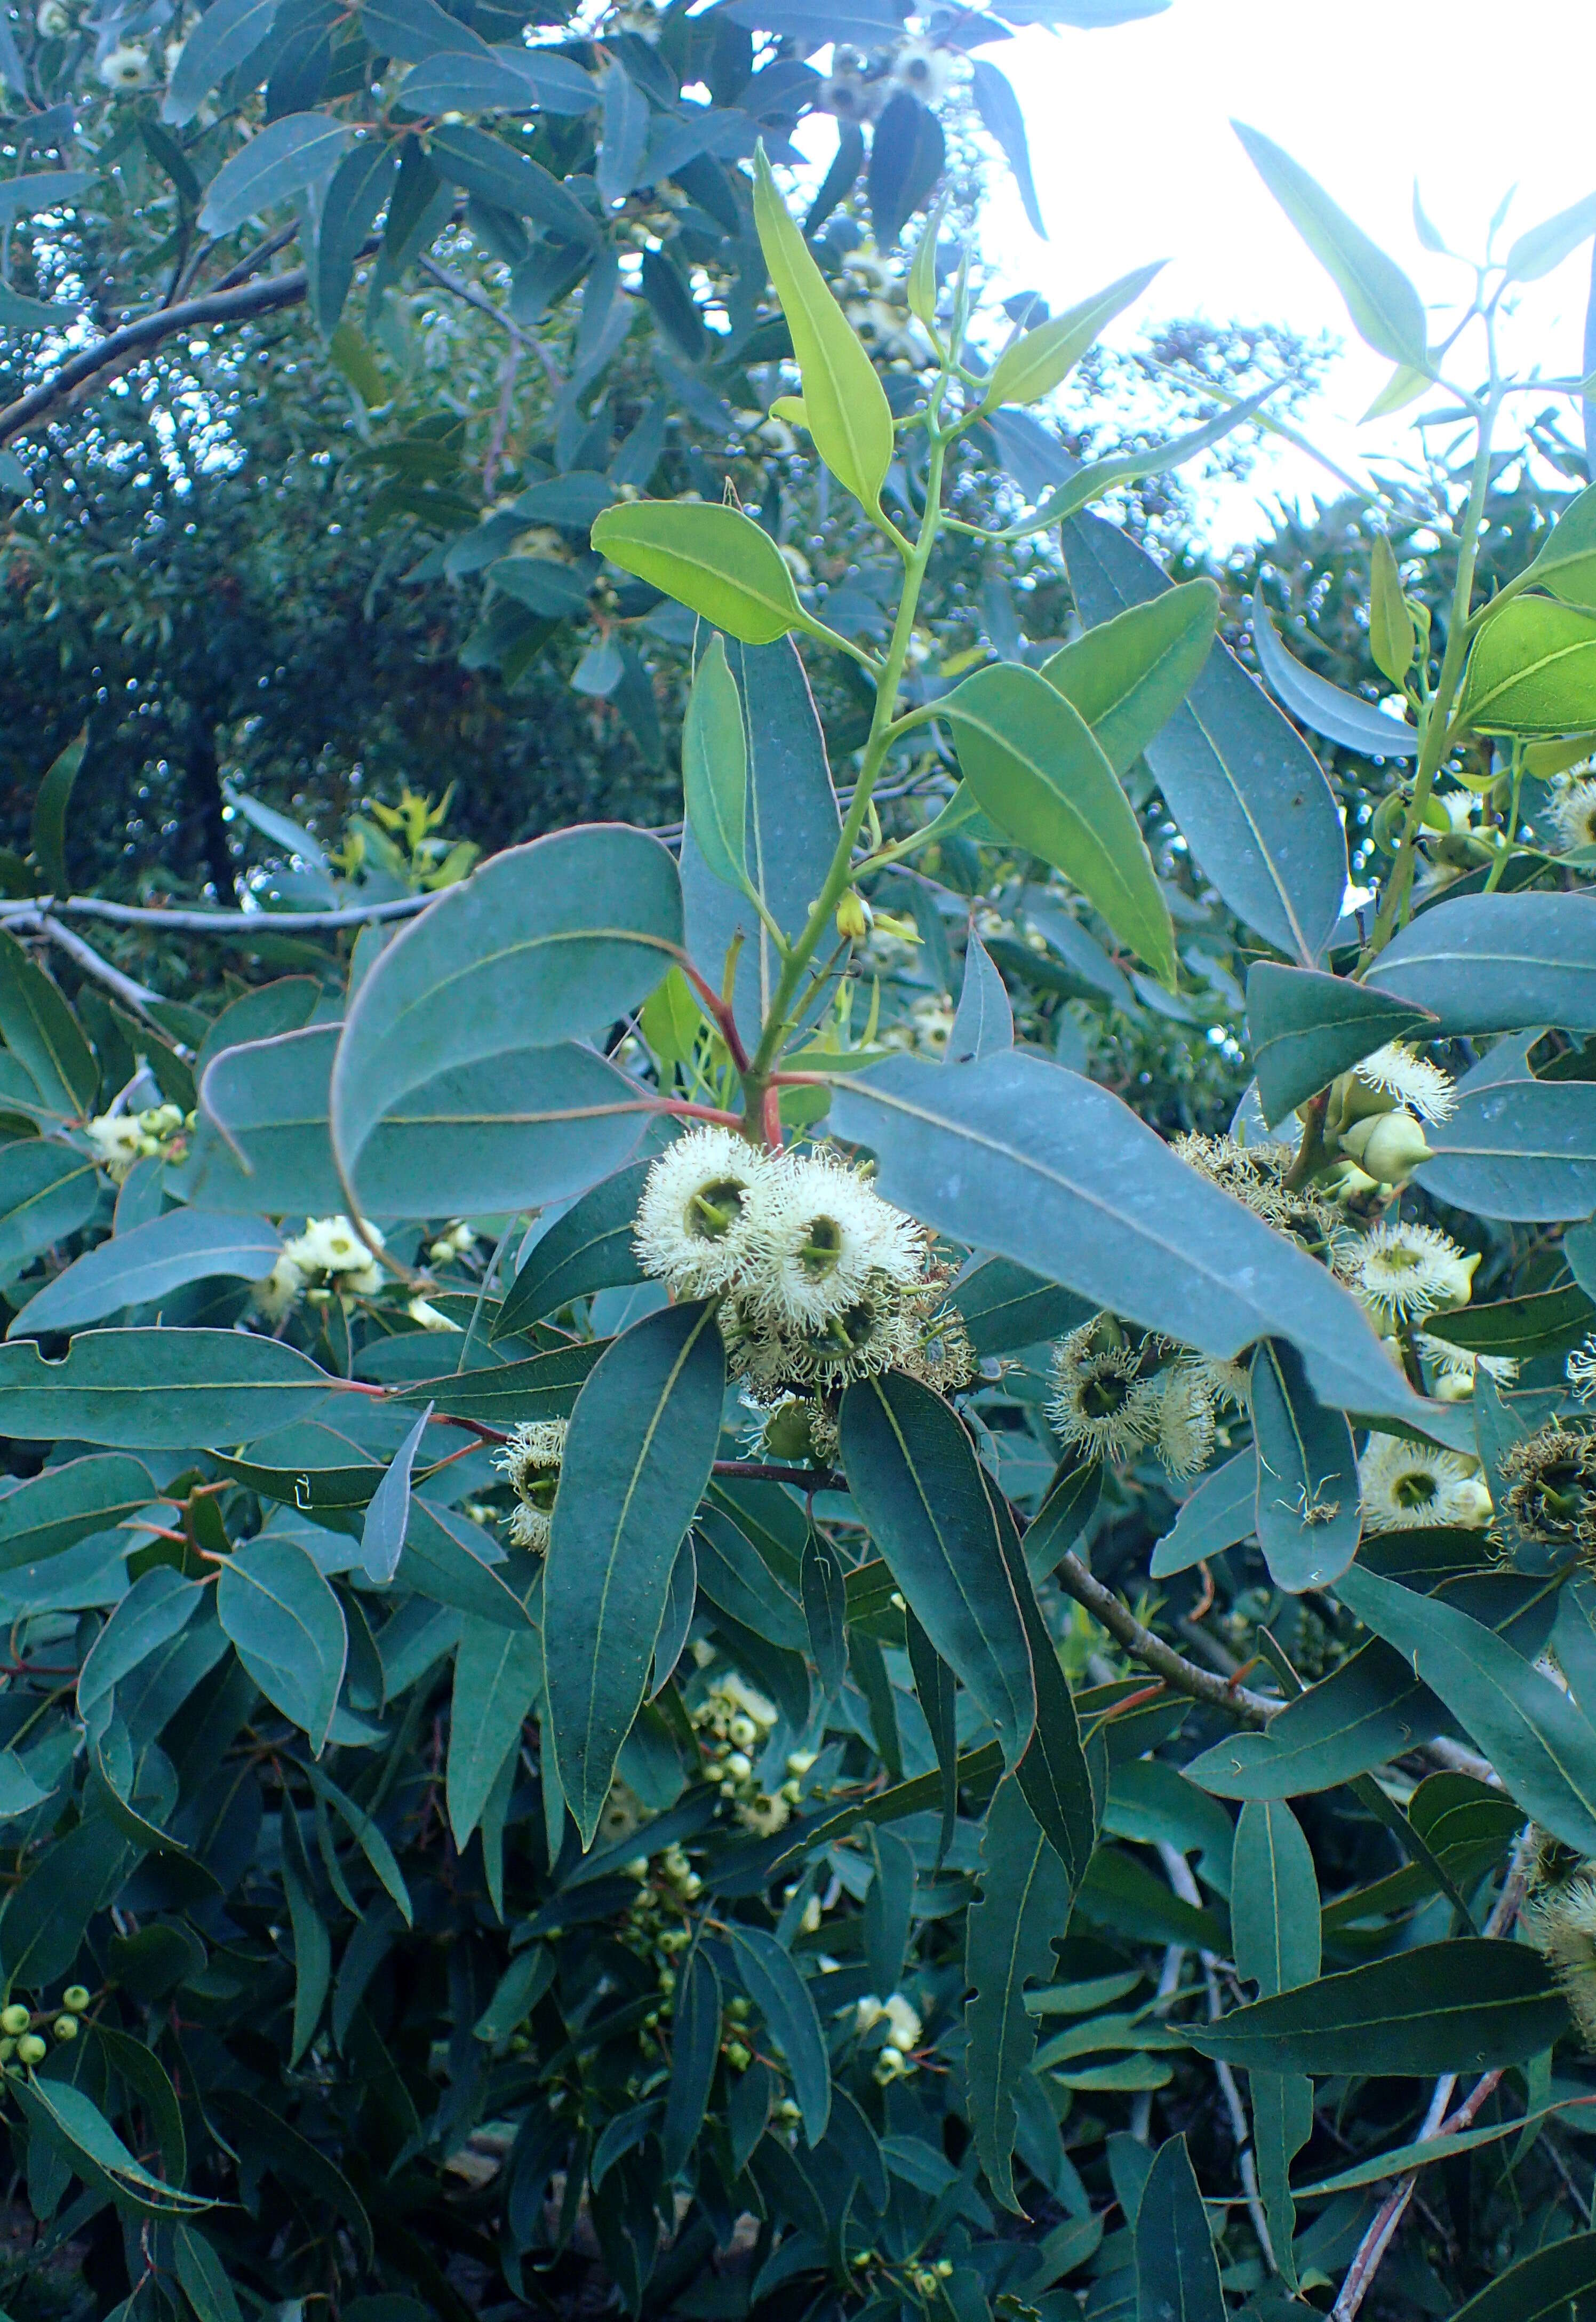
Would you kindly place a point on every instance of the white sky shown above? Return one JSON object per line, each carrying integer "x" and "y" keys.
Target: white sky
{"x": 1135, "y": 160}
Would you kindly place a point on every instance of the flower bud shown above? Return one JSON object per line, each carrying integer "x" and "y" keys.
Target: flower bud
{"x": 1390, "y": 1147}
{"x": 76, "y": 1997}
{"x": 788, "y": 1437}
{"x": 15, "y": 2019}
{"x": 65, "y": 2027}
{"x": 7, "y": 2050}
{"x": 31, "y": 2049}
{"x": 852, "y": 918}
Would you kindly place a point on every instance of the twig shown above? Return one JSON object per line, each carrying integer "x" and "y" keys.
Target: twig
{"x": 134, "y": 995}
{"x": 219, "y": 922}
{"x": 1122, "y": 1624}
{"x": 1382, "y": 2226}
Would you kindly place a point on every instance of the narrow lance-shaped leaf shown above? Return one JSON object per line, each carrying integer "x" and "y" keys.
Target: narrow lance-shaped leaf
{"x": 1025, "y": 1902}
{"x": 695, "y": 2048}
{"x": 498, "y": 1677}
{"x": 279, "y": 161}
{"x": 1040, "y": 360}
{"x": 784, "y": 1999}
{"x": 1355, "y": 723}
{"x": 912, "y": 1470}
{"x": 1464, "y": 2007}
{"x": 714, "y": 767}
{"x": 1002, "y": 118}
{"x": 846, "y": 406}
{"x": 637, "y": 1459}
{"x": 590, "y": 1249}
{"x": 1307, "y": 1511}
{"x": 1385, "y": 308}
{"x": 50, "y": 811}
{"x": 388, "y": 1512}
{"x": 288, "y": 1628}
{"x": 1127, "y": 676}
{"x": 1274, "y": 1916}
{"x": 1390, "y": 624}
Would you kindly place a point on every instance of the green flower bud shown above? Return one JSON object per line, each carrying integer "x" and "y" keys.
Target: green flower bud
{"x": 1388, "y": 1147}
{"x": 31, "y": 2049}
{"x": 15, "y": 2018}
{"x": 65, "y": 2027}
{"x": 7, "y": 2050}
{"x": 76, "y": 1997}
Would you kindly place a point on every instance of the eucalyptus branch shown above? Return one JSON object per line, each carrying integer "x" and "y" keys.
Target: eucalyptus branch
{"x": 133, "y": 994}
{"x": 1255, "y": 1709}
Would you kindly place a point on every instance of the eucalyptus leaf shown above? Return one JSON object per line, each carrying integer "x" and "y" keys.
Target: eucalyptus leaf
{"x": 1306, "y": 1029}
{"x": 1129, "y": 674}
{"x": 714, "y": 560}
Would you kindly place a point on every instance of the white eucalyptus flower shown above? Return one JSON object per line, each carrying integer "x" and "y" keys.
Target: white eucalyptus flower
{"x": 701, "y": 1221}
{"x": 828, "y": 1237}
{"x": 1101, "y": 1399}
{"x": 1412, "y": 1486}
{"x": 1573, "y": 812}
{"x": 1185, "y": 1438}
{"x": 1399, "y": 1070}
{"x": 1401, "y": 1270}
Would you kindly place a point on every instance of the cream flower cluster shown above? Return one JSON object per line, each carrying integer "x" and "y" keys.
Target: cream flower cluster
{"x": 1573, "y": 808}
{"x": 1114, "y": 1397}
{"x": 1413, "y": 1486}
{"x": 904, "y": 2030}
{"x": 118, "y": 1140}
{"x": 456, "y": 1240}
{"x": 531, "y": 1460}
{"x": 823, "y": 1281}
{"x": 1560, "y": 1921}
{"x": 327, "y": 1259}
{"x": 734, "y": 1723}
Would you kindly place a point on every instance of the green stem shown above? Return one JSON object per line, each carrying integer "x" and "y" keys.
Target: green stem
{"x": 1510, "y": 827}
{"x": 1437, "y": 732}
{"x": 884, "y": 732}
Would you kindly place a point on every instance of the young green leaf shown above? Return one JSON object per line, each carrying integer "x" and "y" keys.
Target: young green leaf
{"x": 915, "y": 1476}
{"x": 714, "y": 767}
{"x": 922, "y": 273}
{"x": 1390, "y": 624}
{"x": 1533, "y": 671}
{"x": 637, "y": 1459}
{"x": 1385, "y": 308}
{"x": 1035, "y": 766}
{"x": 1042, "y": 359}
{"x": 1128, "y": 675}
{"x": 1566, "y": 565}
{"x": 716, "y": 560}
{"x": 846, "y": 406}
{"x": 1546, "y": 246}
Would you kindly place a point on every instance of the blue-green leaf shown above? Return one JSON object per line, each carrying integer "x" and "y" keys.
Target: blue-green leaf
{"x": 137, "y": 1268}
{"x": 288, "y": 1629}
{"x": 1025, "y": 1902}
{"x": 787, "y": 2004}
{"x": 1177, "y": 2272}
{"x": 1309, "y": 1517}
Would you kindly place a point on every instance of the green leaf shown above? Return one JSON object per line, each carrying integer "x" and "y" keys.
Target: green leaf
{"x": 918, "y": 1486}
{"x": 1532, "y": 670}
{"x": 451, "y": 1559}
{"x": 792, "y": 823}
{"x": 1543, "y": 1322}
{"x": 846, "y": 406}
{"x": 1177, "y": 2272}
{"x": 1543, "y": 1747}
{"x": 735, "y": 1576}
{"x": 47, "y": 1192}
{"x": 1042, "y": 359}
{"x": 53, "y": 1511}
{"x": 159, "y": 1603}
{"x": 1386, "y": 310}
{"x": 983, "y": 1019}
{"x": 544, "y": 1387}
{"x": 823, "y": 1589}
{"x": 1419, "y": 2154}
{"x": 1309, "y": 1517}
{"x": 1566, "y": 564}
{"x": 1002, "y": 118}
{"x": 361, "y": 183}
{"x": 369, "y": 1838}
{"x": 1540, "y": 2287}
{"x": 1496, "y": 964}
{"x": 61, "y": 2109}
{"x": 497, "y": 1678}
{"x": 1220, "y": 1512}
{"x": 49, "y": 829}
{"x": 140, "y": 1266}
{"x": 1053, "y": 1773}
{"x": 1546, "y": 246}
{"x": 1035, "y": 766}
{"x": 1128, "y": 675}
{"x": 1517, "y": 1148}
{"x": 1305, "y": 1028}
{"x": 638, "y": 1456}
{"x": 907, "y": 150}
{"x": 1274, "y": 1916}
{"x": 1102, "y": 477}
{"x": 313, "y": 1946}
{"x": 788, "y": 2005}
{"x": 695, "y": 2049}
{"x": 201, "y": 2273}
{"x": 563, "y": 935}
{"x": 1343, "y": 718}
{"x": 491, "y": 169}
{"x": 716, "y": 560}
{"x": 42, "y": 1033}
{"x": 1024, "y": 1902}
{"x": 287, "y": 1627}
{"x": 387, "y": 1512}
{"x": 228, "y": 31}
{"x": 289, "y": 154}
{"x": 714, "y": 767}
{"x": 1462, "y": 2007}
{"x": 1390, "y": 624}
{"x": 1006, "y": 1306}
{"x": 158, "y": 1389}
{"x": 1019, "y": 1155}
{"x": 1249, "y": 795}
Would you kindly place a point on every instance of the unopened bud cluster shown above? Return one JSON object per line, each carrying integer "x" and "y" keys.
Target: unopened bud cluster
{"x": 22, "y": 2030}
{"x": 329, "y": 1260}
{"x": 733, "y": 1724}
{"x": 901, "y": 2020}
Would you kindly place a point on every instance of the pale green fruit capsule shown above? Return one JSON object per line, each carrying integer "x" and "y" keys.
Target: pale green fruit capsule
{"x": 31, "y": 2049}
{"x": 15, "y": 2018}
{"x": 65, "y": 2027}
{"x": 77, "y": 1997}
